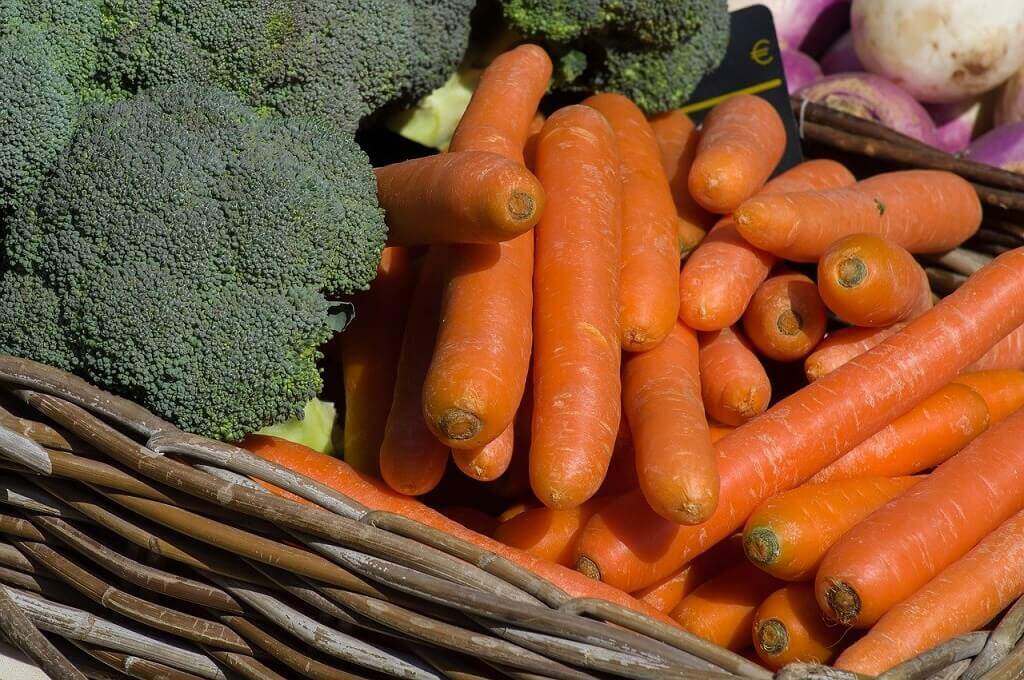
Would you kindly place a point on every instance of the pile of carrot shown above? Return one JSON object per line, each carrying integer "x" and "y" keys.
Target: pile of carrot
{"x": 726, "y": 393}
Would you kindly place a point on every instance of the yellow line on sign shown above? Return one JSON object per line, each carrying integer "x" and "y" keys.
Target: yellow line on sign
{"x": 753, "y": 89}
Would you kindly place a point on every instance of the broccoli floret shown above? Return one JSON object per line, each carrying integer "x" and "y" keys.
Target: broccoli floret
{"x": 47, "y": 56}
{"x": 653, "y": 51}
{"x": 182, "y": 253}
{"x": 340, "y": 60}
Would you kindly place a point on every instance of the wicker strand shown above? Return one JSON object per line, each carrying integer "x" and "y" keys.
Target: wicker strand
{"x": 24, "y": 451}
{"x": 21, "y": 630}
{"x": 937, "y": 658}
{"x": 1000, "y": 642}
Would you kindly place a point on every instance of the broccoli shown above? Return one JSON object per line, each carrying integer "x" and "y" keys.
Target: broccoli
{"x": 337, "y": 60}
{"x": 653, "y": 51}
{"x": 182, "y": 253}
{"x": 47, "y": 56}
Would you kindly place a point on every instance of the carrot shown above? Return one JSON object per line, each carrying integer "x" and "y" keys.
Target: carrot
{"x": 898, "y": 549}
{"x": 576, "y": 343}
{"x": 1009, "y": 353}
{"x": 648, "y": 280}
{"x": 412, "y": 461}
{"x": 925, "y": 211}
{"x": 842, "y": 345}
{"x": 722, "y": 609}
{"x": 471, "y": 518}
{"x": 867, "y": 280}
{"x": 733, "y": 383}
{"x": 621, "y": 476}
{"x": 1002, "y": 390}
{"x": 741, "y": 142}
{"x": 789, "y": 534}
{"x": 459, "y": 197}
{"x": 963, "y": 597}
{"x": 530, "y": 149}
{"x": 721, "y": 275}
{"x": 515, "y": 509}
{"x": 677, "y": 143}
{"x": 546, "y": 533}
{"x": 786, "y": 317}
{"x": 630, "y": 546}
{"x": 489, "y": 461}
{"x": 789, "y": 627}
{"x": 920, "y": 439}
{"x": 370, "y": 347}
{"x": 669, "y": 591}
{"x": 718, "y": 431}
{"x": 376, "y": 496}
{"x": 675, "y": 461}
{"x": 478, "y": 373}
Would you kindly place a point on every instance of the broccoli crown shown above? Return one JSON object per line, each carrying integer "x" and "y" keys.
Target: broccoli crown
{"x": 39, "y": 108}
{"x": 180, "y": 252}
{"x": 653, "y": 51}
{"x": 339, "y": 60}
{"x": 72, "y": 29}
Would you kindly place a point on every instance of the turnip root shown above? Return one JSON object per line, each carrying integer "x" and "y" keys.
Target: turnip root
{"x": 940, "y": 51}
{"x": 1002, "y": 147}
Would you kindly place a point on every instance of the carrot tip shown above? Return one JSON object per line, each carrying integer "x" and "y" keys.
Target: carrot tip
{"x": 636, "y": 340}
{"x": 458, "y": 425}
{"x": 771, "y": 637}
{"x": 521, "y": 205}
{"x": 851, "y": 272}
{"x": 761, "y": 546}
{"x": 843, "y": 601}
{"x": 789, "y": 322}
{"x": 588, "y": 567}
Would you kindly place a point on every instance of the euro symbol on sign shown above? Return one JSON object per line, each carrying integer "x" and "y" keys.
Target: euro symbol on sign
{"x": 760, "y": 53}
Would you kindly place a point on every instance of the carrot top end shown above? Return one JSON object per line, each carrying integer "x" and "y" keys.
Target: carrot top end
{"x": 458, "y": 425}
{"x": 789, "y": 322}
{"x": 588, "y": 567}
{"x": 521, "y": 206}
{"x": 761, "y": 546}
{"x": 851, "y": 272}
{"x": 771, "y": 637}
{"x": 843, "y": 601}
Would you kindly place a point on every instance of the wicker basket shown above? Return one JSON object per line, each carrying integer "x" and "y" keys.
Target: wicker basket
{"x": 129, "y": 548}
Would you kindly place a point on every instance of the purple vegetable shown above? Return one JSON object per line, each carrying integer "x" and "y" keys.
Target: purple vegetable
{"x": 841, "y": 57}
{"x": 874, "y": 98}
{"x": 957, "y": 124}
{"x": 1002, "y": 147}
{"x": 807, "y": 25}
{"x": 800, "y": 70}
{"x": 1010, "y": 107}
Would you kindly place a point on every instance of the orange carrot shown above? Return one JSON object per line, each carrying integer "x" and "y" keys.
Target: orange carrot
{"x": 721, "y": 275}
{"x": 733, "y": 383}
{"x": 963, "y": 597}
{"x": 669, "y": 591}
{"x": 370, "y": 347}
{"x": 631, "y": 546}
{"x": 576, "y": 316}
{"x": 786, "y": 317}
{"x": 621, "y": 476}
{"x": 515, "y": 509}
{"x": 867, "y": 280}
{"x": 546, "y": 533}
{"x": 925, "y": 211}
{"x": 898, "y": 549}
{"x": 489, "y": 461}
{"x": 412, "y": 461}
{"x": 481, "y": 359}
{"x": 718, "y": 431}
{"x": 1002, "y": 390}
{"x": 842, "y": 345}
{"x": 677, "y": 142}
{"x": 741, "y": 142}
{"x": 920, "y": 439}
{"x": 376, "y": 496}
{"x": 675, "y": 461}
{"x": 530, "y": 149}
{"x": 459, "y": 197}
{"x": 722, "y": 609}
{"x": 1009, "y": 353}
{"x": 789, "y": 627}
{"x": 648, "y": 280}
{"x": 471, "y": 518}
{"x": 789, "y": 534}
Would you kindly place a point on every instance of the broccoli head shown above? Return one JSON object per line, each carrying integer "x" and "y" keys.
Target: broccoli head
{"x": 341, "y": 60}
{"x": 653, "y": 51}
{"x": 182, "y": 254}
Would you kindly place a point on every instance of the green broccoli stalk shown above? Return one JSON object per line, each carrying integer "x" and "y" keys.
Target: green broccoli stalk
{"x": 181, "y": 252}
{"x": 315, "y": 428}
